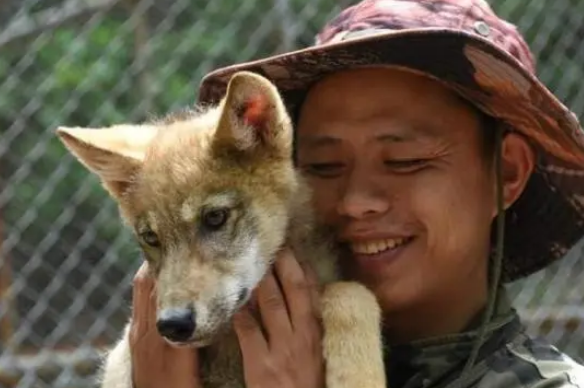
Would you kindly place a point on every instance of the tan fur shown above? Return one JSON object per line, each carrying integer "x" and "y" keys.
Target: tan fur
{"x": 165, "y": 174}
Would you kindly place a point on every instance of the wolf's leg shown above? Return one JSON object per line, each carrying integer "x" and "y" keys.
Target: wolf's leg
{"x": 116, "y": 371}
{"x": 352, "y": 337}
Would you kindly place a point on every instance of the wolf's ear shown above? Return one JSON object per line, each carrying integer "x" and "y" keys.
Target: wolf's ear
{"x": 253, "y": 116}
{"x": 115, "y": 154}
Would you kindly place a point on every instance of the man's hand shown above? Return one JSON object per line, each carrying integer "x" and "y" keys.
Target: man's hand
{"x": 155, "y": 363}
{"x": 290, "y": 354}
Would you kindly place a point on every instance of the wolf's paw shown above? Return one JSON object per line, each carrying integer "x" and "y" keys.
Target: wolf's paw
{"x": 349, "y": 304}
{"x": 352, "y": 344}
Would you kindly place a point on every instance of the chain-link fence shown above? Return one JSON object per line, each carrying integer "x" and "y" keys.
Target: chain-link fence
{"x": 66, "y": 262}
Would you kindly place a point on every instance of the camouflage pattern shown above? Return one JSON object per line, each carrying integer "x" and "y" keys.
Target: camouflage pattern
{"x": 507, "y": 359}
{"x": 464, "y": 45}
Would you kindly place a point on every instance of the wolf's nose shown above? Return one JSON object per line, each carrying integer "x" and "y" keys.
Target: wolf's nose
{"x": 176, "y": 324}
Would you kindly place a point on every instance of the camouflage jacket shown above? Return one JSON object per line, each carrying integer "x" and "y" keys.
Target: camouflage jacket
{"x": 508, "y": 359}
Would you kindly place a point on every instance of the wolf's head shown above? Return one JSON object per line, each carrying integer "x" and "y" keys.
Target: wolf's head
{"x": 207, "y": 195}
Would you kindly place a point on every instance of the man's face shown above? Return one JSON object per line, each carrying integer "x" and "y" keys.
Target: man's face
{"x": 397, "y": 167}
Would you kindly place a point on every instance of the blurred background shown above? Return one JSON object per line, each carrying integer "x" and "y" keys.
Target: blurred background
{"x": 66, "y": 262}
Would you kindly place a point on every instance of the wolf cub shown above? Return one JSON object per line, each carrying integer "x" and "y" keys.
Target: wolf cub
{"x": 211, "y": 196}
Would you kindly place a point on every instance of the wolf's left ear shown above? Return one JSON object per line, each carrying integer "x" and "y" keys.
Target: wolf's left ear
{"x": 253, "y": 116}
{"x": 115, "y": 154}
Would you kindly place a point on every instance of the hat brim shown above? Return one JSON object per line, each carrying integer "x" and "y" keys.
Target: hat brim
{"x": 548, "y": 219}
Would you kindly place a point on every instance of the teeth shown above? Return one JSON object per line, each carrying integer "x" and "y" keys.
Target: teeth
{"x": 372, "y": 247}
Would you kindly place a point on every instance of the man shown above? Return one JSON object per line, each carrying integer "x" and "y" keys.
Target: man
{"x": 446, "y": 168}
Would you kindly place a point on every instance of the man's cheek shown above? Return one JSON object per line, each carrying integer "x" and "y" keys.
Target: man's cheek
{"x": 325, "y": 202}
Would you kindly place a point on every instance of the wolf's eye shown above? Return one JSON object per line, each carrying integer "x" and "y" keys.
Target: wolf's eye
{"x": 215, "y": 218}
{"x": 150, "y": 238}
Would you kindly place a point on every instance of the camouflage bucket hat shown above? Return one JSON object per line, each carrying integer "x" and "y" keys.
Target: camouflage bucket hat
{"x": 464, "y": 45}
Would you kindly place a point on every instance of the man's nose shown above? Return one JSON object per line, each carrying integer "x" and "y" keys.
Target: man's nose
{"x": 176, "y": 324}
{"x": 363, "y": 196}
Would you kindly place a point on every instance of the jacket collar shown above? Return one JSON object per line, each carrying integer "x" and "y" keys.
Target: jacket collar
{"x": 434, "y": 362}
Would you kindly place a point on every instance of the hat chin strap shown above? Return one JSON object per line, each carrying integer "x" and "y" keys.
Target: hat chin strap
{"x": 495, "y": 269}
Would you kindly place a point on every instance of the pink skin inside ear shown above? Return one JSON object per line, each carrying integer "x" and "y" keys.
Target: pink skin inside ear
{"x": 254, "y": 112}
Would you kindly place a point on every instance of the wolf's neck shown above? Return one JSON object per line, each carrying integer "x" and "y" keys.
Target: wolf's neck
{"x": 221, "y": 364}
{"x": 310, "y": 242}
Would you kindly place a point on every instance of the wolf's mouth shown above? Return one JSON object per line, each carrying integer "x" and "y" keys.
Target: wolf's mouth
{"x": 190, "y": 343}
{"x": 200, "y": 339}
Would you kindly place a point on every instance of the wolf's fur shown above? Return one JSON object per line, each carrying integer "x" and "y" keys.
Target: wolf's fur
{"x": 235, "y": 156}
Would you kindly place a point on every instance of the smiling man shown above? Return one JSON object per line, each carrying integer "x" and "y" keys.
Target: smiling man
{"x": 398, "y": 167}
{"x": 445, "y": 167}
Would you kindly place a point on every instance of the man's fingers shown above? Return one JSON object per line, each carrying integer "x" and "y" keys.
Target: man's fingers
{"x": 313, "y": 288}
{"x": 143, "y": 286}
{"x": 296, "y": 288}
{"x": 249, "y": 333}
{"x": 183, "y": 358}
{"x": 143, "y": 302}
{"x": 273, "y": 309}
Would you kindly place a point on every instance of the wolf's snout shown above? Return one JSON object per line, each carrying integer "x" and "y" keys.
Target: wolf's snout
{"x": 176, "y": 324}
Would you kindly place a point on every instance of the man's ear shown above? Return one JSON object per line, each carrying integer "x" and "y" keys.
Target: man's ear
{"x": 253, "y": 116}
{"x": 115, "y": 154}
{"x": 518, "y": 162}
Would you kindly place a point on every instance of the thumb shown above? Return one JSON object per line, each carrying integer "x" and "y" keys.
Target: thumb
{"x": 186, "y": 359}
{"x": 143, "y": 303}
{"x": 314, "y": 287}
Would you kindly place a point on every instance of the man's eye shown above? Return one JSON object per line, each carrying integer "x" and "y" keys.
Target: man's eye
{"x": 406, "y": 165}
{"x": 324, "y": 169}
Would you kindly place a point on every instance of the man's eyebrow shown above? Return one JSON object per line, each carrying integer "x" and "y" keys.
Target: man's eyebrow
{"x": 318, "y": 140}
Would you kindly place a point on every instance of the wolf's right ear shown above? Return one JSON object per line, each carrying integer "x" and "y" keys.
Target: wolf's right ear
{"x": 253, "y": 116}
{"x": 115, "y": 154}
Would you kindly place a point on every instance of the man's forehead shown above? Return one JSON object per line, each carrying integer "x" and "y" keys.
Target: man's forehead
{"x": 398, "y": 120}
{"x": 397, "y": 133}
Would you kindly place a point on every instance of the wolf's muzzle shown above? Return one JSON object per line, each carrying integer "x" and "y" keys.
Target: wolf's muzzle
{"x": 176, "y": 324}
